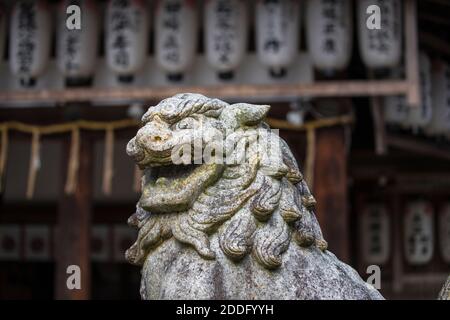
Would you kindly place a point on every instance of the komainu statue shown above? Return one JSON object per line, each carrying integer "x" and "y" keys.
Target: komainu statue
{"x": 225, "y": 212}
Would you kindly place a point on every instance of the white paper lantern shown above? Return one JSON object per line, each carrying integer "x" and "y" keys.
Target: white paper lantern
{"x": 440, "y": 88}
{"x": 420, "y": 117}
{"x": 225, "y": 34}
{"x": 380, "y": 48}
{"x": 375, "y": 234}
{"x": 29, "y": 46}
{"x": 176, "y": 36}
{"x": 277, "y": 33}
{"x": 396, "y": 110}
{"x": 100, "y": 243}
{"x": 419, "y": 232}
{"x": 127, "y": 33}
{"x": 37, "y": 243}
{"x": 444, "y": 232}
{"x": 329, "y": 33}
{"x": 77, "y": 48}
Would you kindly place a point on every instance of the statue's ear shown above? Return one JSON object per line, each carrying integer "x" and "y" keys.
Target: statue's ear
{"x": 246, "y": 114}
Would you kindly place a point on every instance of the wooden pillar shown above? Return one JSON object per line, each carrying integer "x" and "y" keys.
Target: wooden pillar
{"x": 397, "y": 237}
{"x": 412, "y": 53}
{"x": 73, "y": 229}
{"x": 330, "y": 189}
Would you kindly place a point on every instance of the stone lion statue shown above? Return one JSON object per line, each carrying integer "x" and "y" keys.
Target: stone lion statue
{"x": 242, "y": 227}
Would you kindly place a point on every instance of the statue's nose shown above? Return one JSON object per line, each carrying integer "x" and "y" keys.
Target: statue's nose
{"x": 158, "y": 137}
{"x": 154, "y": 136}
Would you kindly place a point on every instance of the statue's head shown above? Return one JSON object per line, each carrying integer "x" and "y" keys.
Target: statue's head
{"x": 213, "y": 167}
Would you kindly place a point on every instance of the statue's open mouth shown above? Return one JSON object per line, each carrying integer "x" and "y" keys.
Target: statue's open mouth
{"x": 173, "y": 188}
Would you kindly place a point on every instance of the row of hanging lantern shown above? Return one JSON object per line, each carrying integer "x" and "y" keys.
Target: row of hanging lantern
{"x": 432, "y": 117}
{"x": 127, "y": 24}
{"x": 419, "y": 234}
{"x": 29, "y": 40}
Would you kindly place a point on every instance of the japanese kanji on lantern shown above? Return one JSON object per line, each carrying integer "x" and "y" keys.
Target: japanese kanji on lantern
{"x": 329, "y": 33}
{"x": 419, "y": 118}
{"x": 29, "y": 44}
{"x": 77, "y": 48}
{"x": 380, "y": 47}
{"x": 440, "y": 91}
{"x": 10, "y": 242}
{"x": 225, "y": 34}
{"x": 375, "y": 233}
{"x": 176, "y": 27}
{"x": 419, "y": 232}
{"x": 277, "y": 34}
{"x": 396, "y": 108}
{"x": 127, "y": 33}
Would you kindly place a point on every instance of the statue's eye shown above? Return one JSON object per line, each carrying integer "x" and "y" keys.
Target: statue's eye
{"x": 185, "y": 124}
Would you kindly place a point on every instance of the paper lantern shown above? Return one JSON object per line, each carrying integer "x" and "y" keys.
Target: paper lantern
{"x": 419, "y": 118}
{"x": 277, "y": 34}
{"x": 37, "y": 243}
{"x": 440, "y": 91}
{"x": 225, "y": 34}
{"x": 329, "y": 33}
{"x": 380, "y": 47}
{"x": 396, "y": 110}
{"x": 419, "y": 232}
{"x": 375, "y": 234}
{"x": 29, "y": 46}
{"x": 176, "y": 36}
{"x": 77, "y": 48}
{"x": 444, "y": 232}
{"x": 127, "y": 33}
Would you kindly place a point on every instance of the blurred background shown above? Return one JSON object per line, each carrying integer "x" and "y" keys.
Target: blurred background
{"x": 360, "y": 90}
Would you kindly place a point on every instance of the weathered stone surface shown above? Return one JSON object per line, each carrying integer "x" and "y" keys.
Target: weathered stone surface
{"x": 228, "y": 230}
{"x": 175, "y": 271}
{"x": 445, "y": 291}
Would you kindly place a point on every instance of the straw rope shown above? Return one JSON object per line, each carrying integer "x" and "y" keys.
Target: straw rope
{"x": 108, "y": 162}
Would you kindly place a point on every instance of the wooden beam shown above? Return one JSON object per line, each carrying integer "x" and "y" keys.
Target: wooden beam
{"x": 330, "y": 191}
{"x": 73, "y": 230}
{"x": 412, "y": 53}
{"x": 417, "y": 146}
{"x": 257, "y": 92}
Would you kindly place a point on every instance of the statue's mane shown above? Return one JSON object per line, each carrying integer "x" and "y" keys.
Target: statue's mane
{"x": 256, "y": 207}
{"x": 180, "y": 106}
